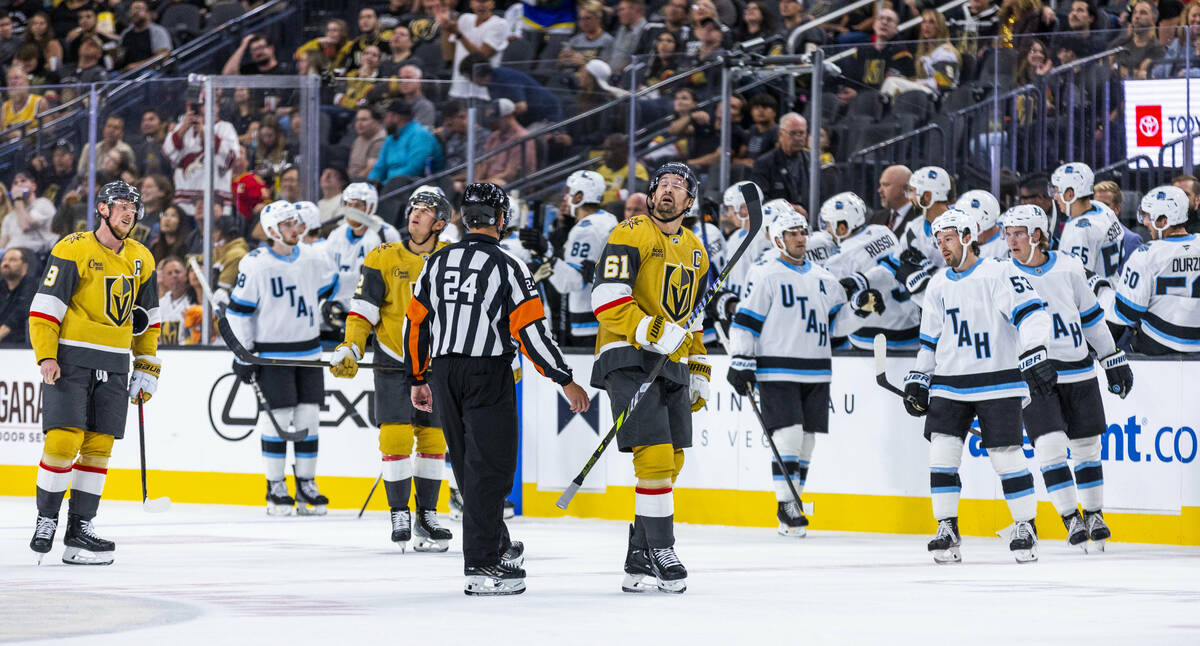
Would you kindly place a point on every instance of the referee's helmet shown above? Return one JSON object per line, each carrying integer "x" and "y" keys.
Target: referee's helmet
{"x": 485, "y": 205}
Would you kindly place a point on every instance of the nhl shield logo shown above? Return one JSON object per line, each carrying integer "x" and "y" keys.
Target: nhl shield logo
{"x": 678, "y": 283}
{"x": 118, "y": 296}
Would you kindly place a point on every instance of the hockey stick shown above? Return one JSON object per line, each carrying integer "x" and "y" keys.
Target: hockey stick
{"x": 880, "y": 346}
{"x": 754, "y": 206}
{"x": 158, "y": 505}
{"x": 369, "y": 494}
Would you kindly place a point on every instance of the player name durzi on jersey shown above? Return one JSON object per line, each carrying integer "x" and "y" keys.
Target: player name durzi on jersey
{"x": 1186, "y": 264}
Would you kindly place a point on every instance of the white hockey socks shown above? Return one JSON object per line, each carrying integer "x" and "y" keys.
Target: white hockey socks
{"x": 945, "y": 456}
{"x": 1089, "y": 475}
{"x": 795, "y": 448}
{"x": 1051, "y": 451}
{"x": 397, "y": 480}
{"x": 1015, "y": 480}
{"x": 306, "y": 449}
{"x": 274, "y": 448}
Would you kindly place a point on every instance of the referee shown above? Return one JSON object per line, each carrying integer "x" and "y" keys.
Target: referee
{"x": 472, "y": 306}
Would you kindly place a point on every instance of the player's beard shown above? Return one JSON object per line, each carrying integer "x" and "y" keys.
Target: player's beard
{"x": 667, "y": 213}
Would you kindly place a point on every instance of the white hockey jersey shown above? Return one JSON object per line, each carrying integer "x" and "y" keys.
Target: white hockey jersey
{"x": 994, "y": 246}
{"x": 1096, "y": 238}
{"x": 710, "y": 236}
{"x": 273, "y": 308}
{"x": 572, "y": 275}
{"x": 1159, "y": 295}
{"x": 1075, "y": 315}
{"x": 866, "y": 257}
{"x": 821, "y": 247}
{"x": 787, "y": 318}
{"x": 737, "y": 276}
{"x": 918, "y": 235}
{"x": 347, "y": 252}
{"x": 975, "y": 325}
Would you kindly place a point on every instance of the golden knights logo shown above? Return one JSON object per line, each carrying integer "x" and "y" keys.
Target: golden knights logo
{"x": 678, "y": 284}
{"x": 118, "y": 299}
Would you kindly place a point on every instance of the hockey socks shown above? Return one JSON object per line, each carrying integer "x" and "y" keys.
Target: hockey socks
{"x": 1051, "y": 451}
{"x": 1016, "y": 481}
{"x": 397, "y": 480}
{"x": 1089, "y": 475}
{"x": 945, "y": 486}
{"x": 305, "y": 450}
{"x": 795, "y": 447}
{"x": 52, "y": 483}
{"x": 654, "y": 513}
{"x": 427, "y": 475}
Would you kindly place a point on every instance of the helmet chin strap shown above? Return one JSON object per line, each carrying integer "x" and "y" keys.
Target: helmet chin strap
{"x": 108, "y": 222}
{"x": 573, "y": 204}
{"x": 654, "y": 212}
{"x": 1032, "y": 248}
{"x": 433, "y": 233}
{"x": 966, "y": 248}
{"x": 783, "y": 249}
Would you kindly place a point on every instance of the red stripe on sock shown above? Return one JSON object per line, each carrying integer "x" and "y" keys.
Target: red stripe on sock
{"x": 47, "y": 467}
{"x": 432, "y": 456}
{"x": 84, "y": 467}
{"x": 652, "y": 492}
{"x": 393, "y": 458}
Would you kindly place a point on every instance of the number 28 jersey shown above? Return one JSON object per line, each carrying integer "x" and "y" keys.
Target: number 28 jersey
{"x": 273, "y": 308}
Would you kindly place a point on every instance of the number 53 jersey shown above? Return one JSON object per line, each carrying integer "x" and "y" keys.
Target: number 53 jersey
{"x": 274, "y": 308}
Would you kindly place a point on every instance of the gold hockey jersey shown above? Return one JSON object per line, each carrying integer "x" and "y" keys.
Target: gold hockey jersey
{"x": 644, "y": 272}
{"x": 384, "y": 290}
{"x": 84, "y": 310}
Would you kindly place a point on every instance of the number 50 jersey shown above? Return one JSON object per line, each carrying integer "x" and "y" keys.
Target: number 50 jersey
{"x": 273, "y": 309}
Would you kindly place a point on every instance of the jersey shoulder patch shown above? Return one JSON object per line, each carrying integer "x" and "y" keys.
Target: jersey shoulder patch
{"x": 1083, "y": 223}
{"x": 585, "y": 223}
{"x": 255, "y": 253}
{"x": 1145, "y": 246}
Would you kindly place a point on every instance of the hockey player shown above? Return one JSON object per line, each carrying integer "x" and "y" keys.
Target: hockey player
{"x": 931, "y": 190}
{"x": 1158, "y": 290}
{"x": 979, "y": 314}
{"x": 1092, "y": 231}
{"x": 384, "y": 291}
{"x": 735, "y": 204}
{"x": 648, "y": 279}
{"x": 1072, "y": 415}
{"x": 780, "y": 339}
{"x": 310, "y": 216}
{"x": 274, "y": 311}
{"x": 97, "y": 300}
{"x": 361, "y": 231}
{"x": 571, "y": 275}
{"x": 986, "y": 209}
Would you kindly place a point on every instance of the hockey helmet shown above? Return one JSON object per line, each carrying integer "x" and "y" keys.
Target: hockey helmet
{"x": 120, "y": 190}
{"x": 844, "y": 207}
{"x": 436, "y": 202}
{"x": 1030, "y": 217}
{"x": 430, "y": 188}
{"x": 1073, "y": 175}
{"x": 674, "y": 168}
{"x": 274, "y": 214}
{"x": 1165, "y": 201}
{"x": 364, "y": 192}
{"x": 588, "y": 182}
{"x": 961, "y": 221}
{"x": 982, "y": 205}
{"x": 781, "y": 217}
{"x": 734, "y": 200}
{"x": 484, "y": 205}
{"x": 933, "y": 180}
{"x": 310, "y": 215}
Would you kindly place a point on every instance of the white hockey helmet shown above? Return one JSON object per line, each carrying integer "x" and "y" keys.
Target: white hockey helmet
{"x": 1031, "y": 217}
{"x": 982, "y": 205}
{"x": 364, "y": 192}
{"x": 843, "y": 207}
{"x": 310, "y": 215}
{"x": 933, "y": 180}
{"x": 734, "y": 200}
{"x": 588, "y": 182}
{"x": 782, "y": 217}
{"x": 1165, "y": 201}
{"x": 961, "y": 221}
{"x": 276, "y": 213}
{"x": 1073, "y": 175}
{"x": 430, "y": 188}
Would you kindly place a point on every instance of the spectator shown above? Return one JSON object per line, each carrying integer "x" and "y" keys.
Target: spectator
{"x": 337, "y": 36}
{"x": 667, "y": 59}
{"x": 313, "y": 62}
{"x": 289, "y": 184}
{"x": 453, "y": 135}
{"x": 173, "y": 232}
{"x": 147, "y": 145}
{"x": 515, "y": 160}
{"x": 695, "y": 127}
{"x": 193, "y": 318}
{"x": 395, "y": 13}
{"x": 112, "y": 139}
{"x": 872, "y": 64}
{"x": 8, "y": 41}
{"x": 1035, "y": 63}
{"x": 364, "y": 152}
{"x": 410, "y": 150}
{"x": 184, "y": 149}
{"x": 1035, "y": 189}
{"x": 591, "y": 41}
{"x": 49, "y": 51}
{"x": 1019, "y": 18}
{"x": 250, "y": 189}
{"x": 423, "y": 25}
{"x": 143, "y": 41}
{"x": 636, "y": 205}
{"x": 589, "y": 133}
{"x": 897, "y": 210}
{"x": 763, "y": 132}
{"x": 357, "y": 93}
{"x": 22, "y": 106}
{"x": 243, "y": 114}
{"x": 87, "y": 68}
{"x": 1175, "y": 61}
{"x": 65, "y": 15}
{"x": 28, "y": 224}
{"x": 1191, "y": 186}
{"x": 409, "y": 88}
{"x": 702, "y": 10}
{"x": 87, "y": 30}
{"x": 534, "y": 104}
{"x": 272, "y": 153}
{"x": 974, "y": 25}
{"x": 615, "y": 168}
{"x": 852, "y": 27}
{"x": 228, "y": 250}
{"x": 783, "y": 172}
{"x": 399, "y": 52}
{"x": 758, "y": 21}
{"x": 157, "y": 195}
{"x": 262, "y": 59}
{"x": 59, "y": 179}
{"x": 1109, "y": 193}
{"x": 332, "y": 182}
{"x": 174, "y": 298}
{"x": 938, "y": 62}
{"x": 369, "y": 34}
{"x": 710, "y": 40}
{"x": 17, "y": 287}
{"x": 481, "y": 32}
{"x": 631, "y": 16}
{"x": 675, "y": 21}
{"x": 1085, "y": 33}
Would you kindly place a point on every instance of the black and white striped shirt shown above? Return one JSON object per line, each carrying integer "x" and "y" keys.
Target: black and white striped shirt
{"x": 474, "y": 300}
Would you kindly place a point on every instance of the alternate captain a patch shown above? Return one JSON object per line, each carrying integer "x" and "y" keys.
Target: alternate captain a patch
{"x": 677, "y": 290}
{"x": 118, "y": 298}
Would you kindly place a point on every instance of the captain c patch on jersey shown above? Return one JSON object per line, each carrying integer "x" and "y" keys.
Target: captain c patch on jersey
{"x": 118, "y": 298}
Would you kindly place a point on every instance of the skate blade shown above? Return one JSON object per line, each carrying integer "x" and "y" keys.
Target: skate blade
{"x": 509, "y": 513}
{"x": 80, "y": 556}
{"x": 672, "y": 587}
{"x": 278, "y": 510}
{"x": 1025, "y": 556}
{"x": 1099, "y": 544}
{"x": 430, "y": 545}
{"x": 310, "y": 510}
{"x": 484, "y": 586}
{"x": 403, "y": 545}
{"x": 39, "y": 558}
{"x": 793, "y": 532}
{"x": 944, "y": 557}
{"x": 637, "y": 584}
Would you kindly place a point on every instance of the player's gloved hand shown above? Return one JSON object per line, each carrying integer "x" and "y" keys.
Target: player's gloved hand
{"x": 657, "y": 334}
{"x": 916, "y": 393}
{"x": 1038, "y": 372}
{"x": 246, "y": 372}
{"x": 867, "y": 302}
{"x": 1120, "y": 377}
{"x": 850, "y": 285}
{"x": 543, "y": 271}
{"x": 144, "y": 379}
{"x": 699, "y": 373}
{"x": 587, "y": 269}
{"x": 721, "y": 306}
{"x": 914, "y": 271}
{"x": 741, "y": 374}
{"x": 221, "y": 298}
{"x": 1097, "y": 282}
{"x": 534, "y": 241}
{"x": 344, "y": 362}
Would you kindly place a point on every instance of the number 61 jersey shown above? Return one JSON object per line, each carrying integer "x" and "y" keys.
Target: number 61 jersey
{"x": 274, "y": 308}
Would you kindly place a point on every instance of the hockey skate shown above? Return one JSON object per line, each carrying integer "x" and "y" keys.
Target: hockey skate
{"x": 1097, "y": 530}
{"x": 455, "y": 504}
{"x": 84, "y": 547}
{"x": 946, "y": 542}
{"x": 494, "y": 580}
{"x": 279, "y": 502}
{"x": 791, "y": 520}
{"x": 401, "y": 528}
{"x": 510, "y": 509}
{"x": 43, "y": 536}
{"x": 1024, "y": 541}
{"x": 672, "y": 576}
{"x": 514, "y": 556}
{"x": 637, "y": 568}
{"x": 431, "y": 537}
{"x": 1077, "y": 534}
{"x": 309, "y": 501}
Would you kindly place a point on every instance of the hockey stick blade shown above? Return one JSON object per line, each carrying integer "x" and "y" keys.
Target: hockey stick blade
{"x": 156, "y": 505}
{"x": 881, "y": 378}
{"x": 754, "y": 209}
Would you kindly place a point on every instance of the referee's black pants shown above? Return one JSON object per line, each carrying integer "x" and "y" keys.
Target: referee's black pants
{"x": 476, "y": 401}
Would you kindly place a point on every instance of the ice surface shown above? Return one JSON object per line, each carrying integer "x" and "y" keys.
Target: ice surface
{"x": 228, "y": 575}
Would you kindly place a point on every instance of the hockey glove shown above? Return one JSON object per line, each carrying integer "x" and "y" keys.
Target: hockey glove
{"x": 344, "y": 362}
{"x": 657, "y": 334}
{"x": 867, "y": 302}
{"x": 699, "y": 372}
{"x": 246, "y": 372}
{"x": 916, "y": 393}
{"x": 534, "y": 241}
{"x": 741, "y": 374}
{"x": 1120, "y": 377}
{"x": 587, "y": 269}
{"x": 853, "y": 283}
{"x": 221, "y": 298}
{"x": 1038, "y": 372}
{"x": 144, "y": 380}
{"x": 722, "y": 306}
{"x": 543, "y": 271}
{"x": 1097, "y": 283}
{"x": 914, "y": 271}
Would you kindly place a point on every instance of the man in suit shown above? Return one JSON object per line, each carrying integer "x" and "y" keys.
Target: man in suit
{"x": 897, "y": 209}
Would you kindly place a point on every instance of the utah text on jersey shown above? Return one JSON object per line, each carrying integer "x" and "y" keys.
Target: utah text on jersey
{"x": 274, "y": 305}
